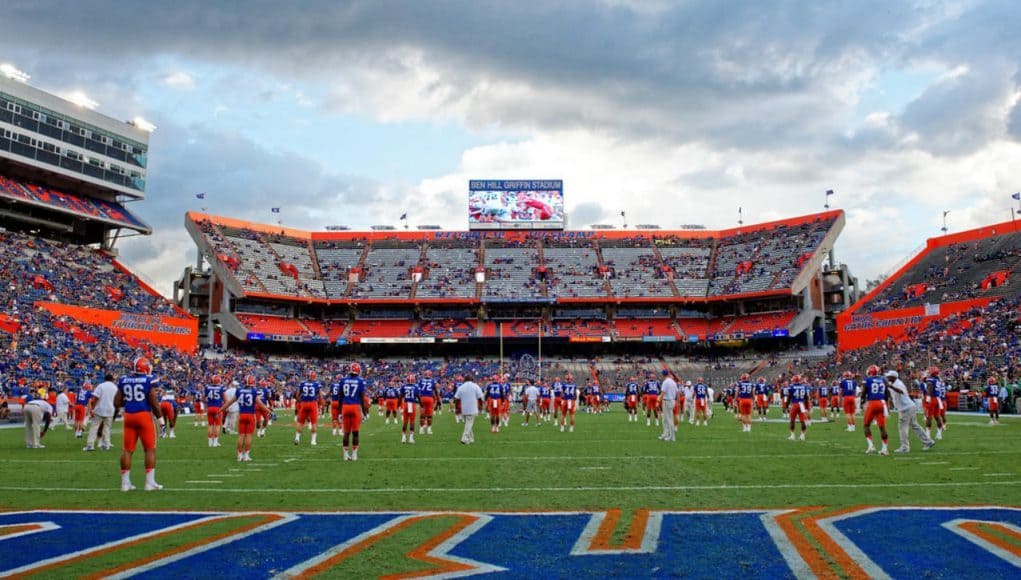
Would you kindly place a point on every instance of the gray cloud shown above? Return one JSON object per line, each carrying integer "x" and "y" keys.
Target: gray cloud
{"x": 751, "y": 84}
{"x": 960, "y": 114}
{"x": 737, "y": 73}
{"x": 241, "y": 179}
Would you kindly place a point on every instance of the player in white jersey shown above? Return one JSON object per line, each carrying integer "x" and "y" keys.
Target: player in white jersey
{"x": 230, "y": 424}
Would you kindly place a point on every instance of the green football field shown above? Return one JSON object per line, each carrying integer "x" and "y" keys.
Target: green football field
{"x": 607, "y": 463}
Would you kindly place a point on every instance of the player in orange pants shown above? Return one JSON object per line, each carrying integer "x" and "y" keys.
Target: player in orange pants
{"x": 409, "y": 405}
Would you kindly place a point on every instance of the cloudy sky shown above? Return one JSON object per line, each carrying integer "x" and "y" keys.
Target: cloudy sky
{"x": 675, "y": 112}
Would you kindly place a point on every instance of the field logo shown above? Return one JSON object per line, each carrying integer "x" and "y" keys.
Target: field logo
{"x": 973, "y": 542}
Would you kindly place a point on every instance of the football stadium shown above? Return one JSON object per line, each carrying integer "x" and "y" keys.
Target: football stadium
{"x": 518, "y": 397}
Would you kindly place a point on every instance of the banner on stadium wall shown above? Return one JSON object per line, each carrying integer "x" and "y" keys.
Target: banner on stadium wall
{"x": 180, "y": 333}
{"x": 397, "y": 340}
{"x": 856, "y": 331}
{"x": 659, "y": 339}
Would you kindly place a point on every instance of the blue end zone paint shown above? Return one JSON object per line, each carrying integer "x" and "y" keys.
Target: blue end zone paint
{"x": 525, "y": 542}
{"x": 909, "y": 542}
{"x": 902, "y": 542}
{"x": 270, "y": 552}
{"x": 728, "y": 545}
{"x": 78, "y": 531}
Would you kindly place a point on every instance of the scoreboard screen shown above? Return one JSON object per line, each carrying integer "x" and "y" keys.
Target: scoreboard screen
{"x": 530, "y": 204}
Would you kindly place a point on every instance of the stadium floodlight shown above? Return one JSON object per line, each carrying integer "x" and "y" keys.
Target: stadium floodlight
{"x": 11, "y": 72}
{"x": 82, "y": 100}
{"x": 144, "y": 125}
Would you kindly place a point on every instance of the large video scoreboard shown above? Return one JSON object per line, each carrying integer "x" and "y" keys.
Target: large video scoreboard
{"x": 502, "y": 204}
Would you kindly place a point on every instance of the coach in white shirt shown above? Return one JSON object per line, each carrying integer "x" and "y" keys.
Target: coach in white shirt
{"x": 38, "y": 414}
{"x": 531, "y": 397}
{"x": 668, "y": 394}
{"x": 101, "y": 413}
{"x": 689, "y": 401}
{"x": 470, "y": 395}
{"x": 907, "y": 411}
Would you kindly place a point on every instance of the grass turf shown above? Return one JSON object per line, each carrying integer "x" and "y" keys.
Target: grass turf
{"x": 606, "y": 463}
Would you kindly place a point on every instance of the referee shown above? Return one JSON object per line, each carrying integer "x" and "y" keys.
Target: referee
{"x": 38, "y": 414}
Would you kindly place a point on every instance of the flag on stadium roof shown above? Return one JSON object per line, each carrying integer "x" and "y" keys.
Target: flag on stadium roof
{"x": 274, "y": 209}
{"x": 829, "y": 192}
{"x": 404, "y": 216}
{"x": 200, "y": 195}
{"x": 1016, "y": 196}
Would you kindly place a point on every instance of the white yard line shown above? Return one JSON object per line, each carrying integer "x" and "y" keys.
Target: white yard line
{"x": 524, "y": 489}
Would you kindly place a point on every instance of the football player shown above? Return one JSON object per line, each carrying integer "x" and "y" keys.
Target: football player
{"x": 798, "y": 394}
{"x": 213, "y": 398}
{"x": 875, "y": 399}
{"x": 745, "y": 392}
{"x": 409, "y": 407}
{"x": 427, "y": 396}
{"x": 355, "y": 406}
{"x": 849, "y": 394}
{"x": 137, "y": 396}
{"x": 307, "y": 407}
{"x": 249, "y": 400}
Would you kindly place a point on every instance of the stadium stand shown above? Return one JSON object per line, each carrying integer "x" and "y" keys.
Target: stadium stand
{"x": 275, "y": 325}
{"x": 336, "y": 259}
{"x": 636, "y": 272}
{"x": 573, "y": 271}
{"x": 362, "y": 329}
{"x": 446, "y": 328}
{"x": 637, "y": 327}
{"x": 510, "y": 273}
{"x": 767, "y": 259}
{"x": 387, "y": 272}
{"x": 100, "y": 209}
{"x": 450, "y": 273}
{"x": 967, "y": 347}
{"x": 761, "y": 259}
{"x": 297, "y": 254}
{"x": 37, "y": 269}
{"x": 689, "y": 265}
{"x": 952, "y": 272}
{"x": 486, "y": 277}
{"x": 755, "y": 323}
